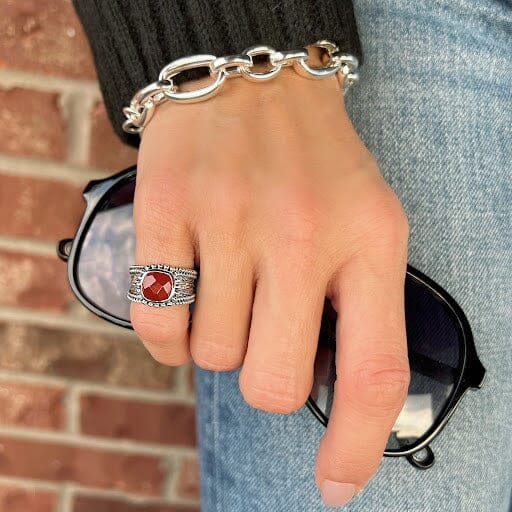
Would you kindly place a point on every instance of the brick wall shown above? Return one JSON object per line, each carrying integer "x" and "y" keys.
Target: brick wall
{"x": 88, "y": 421}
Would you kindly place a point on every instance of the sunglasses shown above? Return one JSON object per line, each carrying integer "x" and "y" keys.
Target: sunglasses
{"x": 442, "y": 355}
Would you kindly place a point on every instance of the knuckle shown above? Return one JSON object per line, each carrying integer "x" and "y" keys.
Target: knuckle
{"x": 159, "y": 199}
{"x": 389, "y": 222}
{"x": 166, "y": 356}
{"x": 299, "y": 216}
{"x": 271, "y": 392}
{"x": 229, "y": 186}
{"x": 229, "y": 224}
{"x": 154, "y": 328}
{"x": 379, "y": 216}
{"x": 230, "y": 192}
{"x": 216, "y": 356}
{"x": 378, "y": 387}
{"x": 217, "y": 366}
{"x": 162, "y": 336}
{"x": 396, "y": 226}
{"x": 359, "y": 463}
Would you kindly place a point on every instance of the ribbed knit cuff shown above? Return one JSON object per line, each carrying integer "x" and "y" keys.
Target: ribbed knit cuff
{"x": 132, "y": 40}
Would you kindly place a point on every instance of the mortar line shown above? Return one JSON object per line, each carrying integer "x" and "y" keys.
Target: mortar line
{"x": 171, "y": 465}
{"x": 72, "y": 410}
{"x": 81, "y": 386}
{"x": 50, "y": 170}
{"x": 171, "y": 482}
{"x": 63, "y": 322}
{"x": 108, "y": 444}
{"x": 73, "y": 489}
{"x": 181, "y": 379}
{"x": 77, "y": 109}
{"x": 10, "y": 78}
{"x": 154, "y": 397}
{"x": 135, "y": 499}
{"x": 65, "y": 501}
{"x": 42, "y": 485}
{"x": 27, "y": 245}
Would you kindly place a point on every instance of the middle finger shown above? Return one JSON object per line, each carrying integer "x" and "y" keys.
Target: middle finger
{"x": 222, "y": 312}
{"x": 277, "y": 373}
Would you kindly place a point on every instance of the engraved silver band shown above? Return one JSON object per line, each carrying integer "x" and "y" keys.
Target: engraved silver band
{"x": 161, "y": 285}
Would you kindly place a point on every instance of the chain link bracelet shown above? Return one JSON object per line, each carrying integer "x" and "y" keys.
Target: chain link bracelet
{"x": 143, "y": 104}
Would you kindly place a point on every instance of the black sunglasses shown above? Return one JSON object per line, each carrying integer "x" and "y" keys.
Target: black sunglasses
{"x": 442, "y": 355}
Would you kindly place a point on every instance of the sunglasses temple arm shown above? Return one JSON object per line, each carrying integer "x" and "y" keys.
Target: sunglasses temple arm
{"x": 430, "y": 368}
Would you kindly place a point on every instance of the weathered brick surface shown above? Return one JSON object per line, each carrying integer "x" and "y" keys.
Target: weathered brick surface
{"x": 26, "y": 499}
{"x": 141, "y": 474}
{"x": 31, "y": 405}
{"x": 44, "y": 36}
{"x": 106, "y": 151}
{"x": 188, "y": 479}
{"x": 42, "y": 209}
{"x": 31, "y": 124}
{"x": 33, "y": 281}
{"x": 94, "y": 504}
{"x": 81, "y": 355}
{"x": 42, "y": 46}
{"x": 166, "y": 423}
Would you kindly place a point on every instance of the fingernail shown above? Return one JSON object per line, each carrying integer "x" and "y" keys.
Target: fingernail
{"x": 336, "y": 494}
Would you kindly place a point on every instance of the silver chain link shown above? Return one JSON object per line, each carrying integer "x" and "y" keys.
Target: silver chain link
{"x": 143, "y": 104}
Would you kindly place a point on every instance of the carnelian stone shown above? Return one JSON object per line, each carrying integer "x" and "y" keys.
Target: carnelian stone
{"x": 157, "y": 286}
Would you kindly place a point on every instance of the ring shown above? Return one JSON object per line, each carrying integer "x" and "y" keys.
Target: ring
{"x": 161, "y": 285}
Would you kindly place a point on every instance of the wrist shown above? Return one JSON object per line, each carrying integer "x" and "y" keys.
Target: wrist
{"x": 287, "y": 78}
{"x": 321, "y": 60}
{"x": 240, "y": 96}
{"x": 241, "y": 101}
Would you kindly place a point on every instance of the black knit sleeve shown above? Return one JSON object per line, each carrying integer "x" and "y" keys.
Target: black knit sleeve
{"x": 132, "y": 40}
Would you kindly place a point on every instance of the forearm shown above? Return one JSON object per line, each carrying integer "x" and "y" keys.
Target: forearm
{"x": 133, "y": 39}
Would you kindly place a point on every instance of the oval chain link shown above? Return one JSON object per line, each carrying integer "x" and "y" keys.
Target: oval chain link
{"x": 143, "y": 104}
{"x": 259, "y": 76}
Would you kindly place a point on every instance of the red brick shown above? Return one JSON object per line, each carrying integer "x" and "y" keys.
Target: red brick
{"x": 166, "y": 423}
{"x": 38, "y": 208}
{"x": 81, "y": 355}
{"x": 44, "y": 36}
{"x": 188, "y": 479}
{"x": 106, "y": 151}
{"x": 31, "y": 124}
{"x": 96, "y": 504}
{"x": 31, "y": 405}
{"x": 86, "y": 466}
{"x": 33, "y": 281}
{"x": 26, "y": 499}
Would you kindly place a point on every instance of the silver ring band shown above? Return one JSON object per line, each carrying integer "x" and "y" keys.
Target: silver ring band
{"x": 161, "y": 285}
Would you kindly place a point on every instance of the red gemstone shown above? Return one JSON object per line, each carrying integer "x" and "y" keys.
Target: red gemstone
{"x": 157, "y": 286}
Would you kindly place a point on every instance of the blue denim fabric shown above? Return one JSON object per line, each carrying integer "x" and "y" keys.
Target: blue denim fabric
{"x": 434, "y": 105}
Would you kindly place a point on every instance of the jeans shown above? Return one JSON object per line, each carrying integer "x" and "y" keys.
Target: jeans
{"x": 434, "y": 105}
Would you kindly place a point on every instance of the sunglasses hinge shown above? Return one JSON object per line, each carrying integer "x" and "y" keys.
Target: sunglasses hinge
{"x": 64, "y": 249}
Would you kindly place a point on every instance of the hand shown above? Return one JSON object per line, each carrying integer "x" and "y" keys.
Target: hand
{"x": 268, "y": 189}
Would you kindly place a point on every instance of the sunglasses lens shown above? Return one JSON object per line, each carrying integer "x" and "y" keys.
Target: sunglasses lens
{"x": 434, "y": 356}
{"x": 107, "y": 251}
{"x": 433, "y": 341}
{"x": 322, "y": 391}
